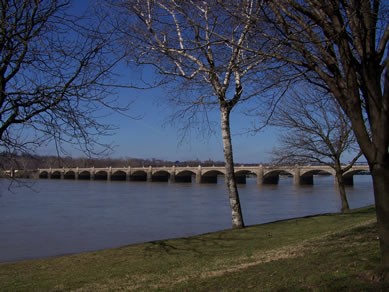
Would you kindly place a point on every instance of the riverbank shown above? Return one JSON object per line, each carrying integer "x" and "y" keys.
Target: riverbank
{"x": 322, "y": 253}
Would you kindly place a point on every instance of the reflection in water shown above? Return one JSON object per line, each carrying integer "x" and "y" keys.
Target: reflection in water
{"x": 63, "y": 217}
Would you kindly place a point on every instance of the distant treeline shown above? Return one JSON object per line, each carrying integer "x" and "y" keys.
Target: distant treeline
{"x": 30, "y": 162}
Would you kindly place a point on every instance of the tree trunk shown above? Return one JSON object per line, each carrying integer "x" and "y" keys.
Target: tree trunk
{"x": 380, "y": 174}
{"x": 236, "y": 212}
{"x": 342, "y": 192}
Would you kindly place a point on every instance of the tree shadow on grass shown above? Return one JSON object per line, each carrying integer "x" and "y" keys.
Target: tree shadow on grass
{"x": 230, "y": 240}
{"x": 203, "y": 245}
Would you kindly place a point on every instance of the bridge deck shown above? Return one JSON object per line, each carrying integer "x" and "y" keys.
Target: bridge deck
{"x": 265, "y": 174}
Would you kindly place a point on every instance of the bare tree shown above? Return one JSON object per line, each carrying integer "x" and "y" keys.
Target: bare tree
{"x": 53, "y": 72}
{"x": 316, "y": 131}
{"x": 342, "y": 46}
{"x": 185, "y": 42}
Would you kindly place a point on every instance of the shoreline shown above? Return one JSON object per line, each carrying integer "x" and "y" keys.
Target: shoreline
{"x": 178, "y": 238}
{"x": 321, "y": 252}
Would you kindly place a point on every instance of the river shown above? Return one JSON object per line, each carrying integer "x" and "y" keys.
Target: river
{"x": 43, "y": 218}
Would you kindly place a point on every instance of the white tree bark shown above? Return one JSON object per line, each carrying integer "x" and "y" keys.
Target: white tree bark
{"x": 236, "y": 212}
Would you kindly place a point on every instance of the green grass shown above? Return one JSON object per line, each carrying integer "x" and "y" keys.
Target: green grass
{"x": 335, "y": 252}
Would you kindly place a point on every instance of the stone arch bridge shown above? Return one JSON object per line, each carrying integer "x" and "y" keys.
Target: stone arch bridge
{"x": 200, "y": 174}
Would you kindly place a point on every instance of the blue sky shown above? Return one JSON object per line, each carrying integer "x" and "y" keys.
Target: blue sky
{"x": 152, "y": 137}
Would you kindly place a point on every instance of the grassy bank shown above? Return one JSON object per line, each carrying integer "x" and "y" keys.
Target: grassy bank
{"x": 337, "y": 252}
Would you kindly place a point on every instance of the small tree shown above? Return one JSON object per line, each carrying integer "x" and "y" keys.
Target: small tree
{"x": 52, "y": 75}
{"x": 185, "y": 42}
{"x": 316, "y": 131}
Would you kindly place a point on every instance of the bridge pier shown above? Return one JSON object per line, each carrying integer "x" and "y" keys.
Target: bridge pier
{"x": 299, "y": 179}
{"x": 173, "y": 175}
{"x": 12, "y": 172}
{"x": 260, "y": 175}
{"x": 109, "y": 173}
{"x": 128, "y": 173}
{"x": 198, "y": 175}
{"x": 296, "y": 176}
{"x": 149, "y": 174}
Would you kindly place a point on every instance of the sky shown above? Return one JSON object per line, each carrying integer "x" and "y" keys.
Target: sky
{"x": 152, "y": 136}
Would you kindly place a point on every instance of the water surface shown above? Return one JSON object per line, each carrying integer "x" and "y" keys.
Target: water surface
{"x": 55, "y": 217}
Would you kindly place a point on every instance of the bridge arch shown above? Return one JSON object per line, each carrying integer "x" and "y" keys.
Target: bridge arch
{"x": 273, "y": 176}
{"x": 355, "y": 172}
{"x": 184, "y": 176}
{"x": 84, "y": 175}
{"x": 348, "y": 177}
{"x": 119, "y": 175}
{"x": 316, "y": 172}
{"x": 210, "y": 176}
{"x": 69, "y": 175}
{"x": 56, "y": 175}
{"x": 241, "y": 175}
{"x": 139, "y": 175}
{"x": 306, "y": 177}
{"x": 101, "y": 175}
{"x": 44, "y": 174}
{"x": 160, "y": 176}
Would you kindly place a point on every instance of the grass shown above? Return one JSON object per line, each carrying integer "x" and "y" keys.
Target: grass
{"x": 334, "y": 252}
